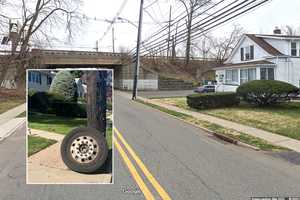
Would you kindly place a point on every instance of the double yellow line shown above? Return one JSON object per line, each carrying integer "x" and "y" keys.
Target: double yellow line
{"x": 138, "y": 179}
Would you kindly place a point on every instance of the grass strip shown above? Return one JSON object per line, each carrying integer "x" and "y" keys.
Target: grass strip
{"x": 36, "y": 144}
{"x": 242, "y": 137}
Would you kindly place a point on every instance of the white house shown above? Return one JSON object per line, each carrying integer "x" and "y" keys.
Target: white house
{"x": 261, "y": 57}
{"x": 40, "y": 80}
{"x": 81, "y": 87}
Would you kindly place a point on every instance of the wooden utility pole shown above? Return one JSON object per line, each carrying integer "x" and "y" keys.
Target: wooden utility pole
{"x": 96, "y": 100}
{"x": 138, "y": 43}
{"x": 169, "y": 34}
{"x": 113, "y": 39}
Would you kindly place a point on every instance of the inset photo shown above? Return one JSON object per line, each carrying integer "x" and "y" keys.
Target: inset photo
{"x": 69, "y": 126}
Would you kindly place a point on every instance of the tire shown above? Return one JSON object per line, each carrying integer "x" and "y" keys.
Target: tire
{"x": 84, "y": 150}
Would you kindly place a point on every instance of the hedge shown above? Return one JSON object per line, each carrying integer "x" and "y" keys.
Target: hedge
{"x": 69, "y": 109}
{"x": 55, "y": 104}
{"x": 212, "y": 100}
{"x": 266, "y": 92}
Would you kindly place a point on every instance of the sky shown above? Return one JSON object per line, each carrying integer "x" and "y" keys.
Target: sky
{"x": 261, "y": 20}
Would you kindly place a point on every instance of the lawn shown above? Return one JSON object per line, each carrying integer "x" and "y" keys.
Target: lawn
{"x": 254, "y": 141}
{"x": 61, "y": 125}
{"x": 6, "y": 104}
{"x": 283, "y": 119}
{"x": 36, "y": 144}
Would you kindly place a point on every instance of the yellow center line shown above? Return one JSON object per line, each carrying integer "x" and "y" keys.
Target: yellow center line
{"x": 163, "y": 194}
{"x": 148, "y": 195}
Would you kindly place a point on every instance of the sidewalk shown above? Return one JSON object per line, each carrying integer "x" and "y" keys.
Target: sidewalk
{"x": 47, "y": 167}
{"x": 272, "y": 138}
{"x": 8, "y": 122}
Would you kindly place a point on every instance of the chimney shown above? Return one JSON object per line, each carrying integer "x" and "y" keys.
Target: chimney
{"x": 277, "y": 30}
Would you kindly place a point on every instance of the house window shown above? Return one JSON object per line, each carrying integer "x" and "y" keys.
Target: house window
{"x": 231, "y": 76}
{"x": 49, "y": 80}
{"x": 247, "y": 75}
{"x": 293, "y": 49}
{"x": 35, "y": 77}
{"x": 267, "y": 74}
{"x": 242, "y": 54}
{"x": 247, "y": 53}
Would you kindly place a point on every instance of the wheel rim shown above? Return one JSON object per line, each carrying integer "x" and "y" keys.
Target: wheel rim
{"x": 84, "y": 149}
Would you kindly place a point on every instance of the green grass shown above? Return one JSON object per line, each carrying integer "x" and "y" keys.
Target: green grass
{"x": 254, "y": 141}
{"x": 36, "y": 144}
{"x": 171, "y": 112}
{"x": 61, "y": 125}
{"x": 283, "y": 119}
{"x": 23, "y": 114}
{"x": 6, "y": 104}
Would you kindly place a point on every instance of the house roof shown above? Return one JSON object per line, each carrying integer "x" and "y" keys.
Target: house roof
{"x": 264, "y": 45}
{"x": 244, "y": 65}
{"x": 279, "y": 36}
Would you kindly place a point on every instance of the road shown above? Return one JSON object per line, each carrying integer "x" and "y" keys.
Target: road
{"x": 185, "y": 162}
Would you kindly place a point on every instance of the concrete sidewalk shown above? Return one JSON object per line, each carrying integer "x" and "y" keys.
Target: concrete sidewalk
{"x": 12, "y": 113}
{"x": 272, "y": 138}
{"x": 8, "y": 122}
{"x": 47, "y": 167}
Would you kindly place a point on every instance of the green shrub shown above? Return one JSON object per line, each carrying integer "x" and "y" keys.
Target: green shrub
{"x": 266, "y": 92}
{"x": 69, "y": 109}
{"x": 212, "y": 100}
{"x": 64, "y": 84}
{"x": 51, "y": 103}
{"x": 39, "y": 101}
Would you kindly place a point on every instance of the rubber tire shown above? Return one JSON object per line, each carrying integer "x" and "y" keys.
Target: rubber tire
{"x": 93, "y": 166}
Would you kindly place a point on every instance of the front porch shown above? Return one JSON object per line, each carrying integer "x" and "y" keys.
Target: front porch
{"x": 230, "y": 76}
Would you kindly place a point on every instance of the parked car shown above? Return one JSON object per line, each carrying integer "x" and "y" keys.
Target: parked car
{"x": 205, "y": 89}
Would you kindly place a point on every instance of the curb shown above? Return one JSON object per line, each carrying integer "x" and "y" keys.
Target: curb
{"x": 218, "y": 135}
{"x": 12, "y": 130}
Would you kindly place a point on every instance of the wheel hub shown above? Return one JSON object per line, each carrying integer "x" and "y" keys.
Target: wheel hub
{"x": 84, "y": 149}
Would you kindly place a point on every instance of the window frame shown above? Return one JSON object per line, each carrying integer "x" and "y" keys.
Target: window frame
{"x": 231, "y": 81}
{"x": 267, "y": 73}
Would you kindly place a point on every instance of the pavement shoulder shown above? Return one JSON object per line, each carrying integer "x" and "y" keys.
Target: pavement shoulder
{"x": 10, "y": 126}
{"x": 47, "y": 167}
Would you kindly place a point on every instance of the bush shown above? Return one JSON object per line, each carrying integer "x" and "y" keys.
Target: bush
{"x": 266, "y": 92}
{"x": 64, "y": 85}
{"x": 69, "y": 109}
{"x": 41, "y": 101}
{"x": 212, "y": 100}
{"x": 54, "y": 104}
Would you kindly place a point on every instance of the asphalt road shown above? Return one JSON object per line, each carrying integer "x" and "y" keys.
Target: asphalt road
{"x": 186, "y": 162}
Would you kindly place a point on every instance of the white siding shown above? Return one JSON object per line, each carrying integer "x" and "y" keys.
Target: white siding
{"x": 43, "y": 87}
{"x": 259, "y": 53}
{"x": 143, "y": 84}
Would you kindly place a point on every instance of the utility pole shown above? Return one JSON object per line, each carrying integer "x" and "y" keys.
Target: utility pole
{"x": 113, "y": 39}
{"x": 170, "y": 16}
{"x": 137, "y": 63}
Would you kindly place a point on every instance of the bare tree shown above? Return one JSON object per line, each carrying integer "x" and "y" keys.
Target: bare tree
{"x": 289, "y": 30}
{"x": 222, "y": 47}
{"x": 190, "y": 7}
{"x": 38, "y": 19}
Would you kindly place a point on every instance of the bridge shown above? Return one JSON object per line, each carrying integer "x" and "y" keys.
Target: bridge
{"x": 57, "y": 58}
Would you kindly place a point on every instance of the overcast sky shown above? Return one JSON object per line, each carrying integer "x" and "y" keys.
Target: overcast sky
{"x": 262, "y": 20}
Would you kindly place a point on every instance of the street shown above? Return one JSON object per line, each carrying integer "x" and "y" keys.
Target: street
{"x": 186, "y": 162}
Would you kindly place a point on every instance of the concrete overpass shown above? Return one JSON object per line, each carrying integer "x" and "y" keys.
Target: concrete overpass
{"x": 64, "y": 58}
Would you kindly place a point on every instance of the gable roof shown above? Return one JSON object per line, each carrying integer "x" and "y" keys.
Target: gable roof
{"x": 264, "y": 45}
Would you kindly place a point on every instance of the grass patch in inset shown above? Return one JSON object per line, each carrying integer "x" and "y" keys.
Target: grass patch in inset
{"x": 61, "y": 125}
{"x": 36, "y": 144}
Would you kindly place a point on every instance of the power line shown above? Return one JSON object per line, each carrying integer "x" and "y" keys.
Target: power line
{"x": 199, "y": 34}
{"x": 179, "y": 26}
{"x": 174, "y": 21}
{"x": 114, "y": 19}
